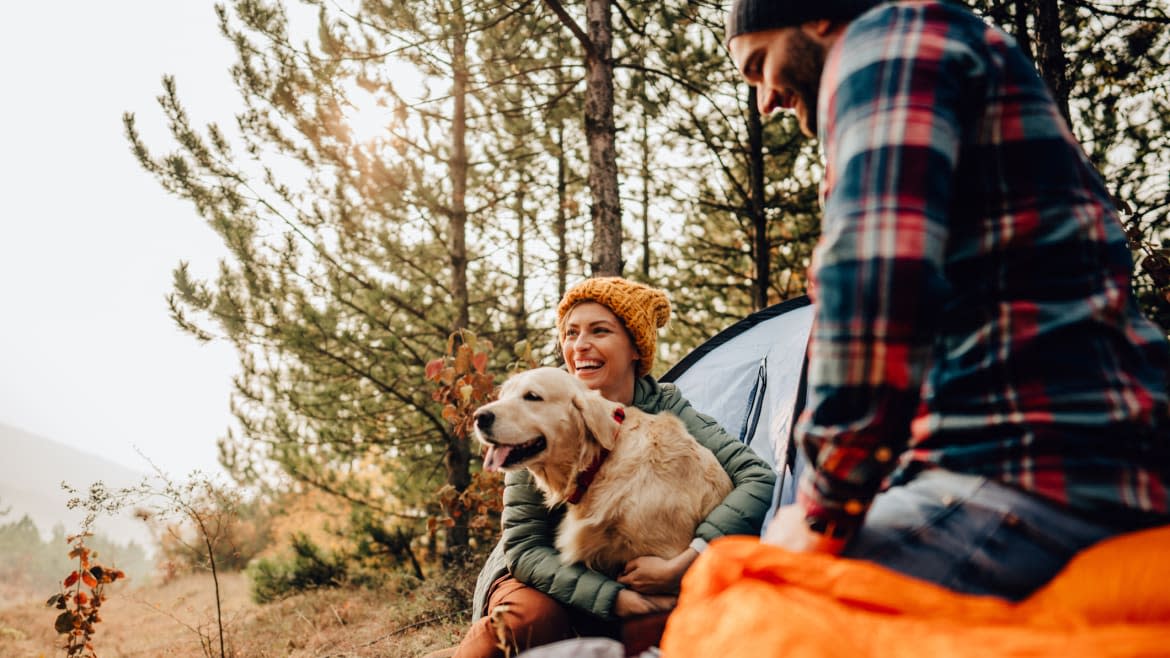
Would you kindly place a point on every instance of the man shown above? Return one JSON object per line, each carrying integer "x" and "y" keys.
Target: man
{"x": 976, "y": 353}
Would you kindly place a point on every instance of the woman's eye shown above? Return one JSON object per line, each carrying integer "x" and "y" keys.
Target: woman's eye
{"x": 532, "y": 397}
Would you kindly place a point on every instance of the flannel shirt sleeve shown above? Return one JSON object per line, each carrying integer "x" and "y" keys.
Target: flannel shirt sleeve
{"x": 890, "y": 106}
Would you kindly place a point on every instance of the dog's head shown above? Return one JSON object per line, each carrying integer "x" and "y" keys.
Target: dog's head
{"x": 545, "y": 419}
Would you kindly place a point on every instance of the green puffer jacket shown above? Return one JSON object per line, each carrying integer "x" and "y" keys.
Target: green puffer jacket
{"x": 527, "y": 551}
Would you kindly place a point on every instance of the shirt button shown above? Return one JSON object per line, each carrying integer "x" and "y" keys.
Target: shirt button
{"x": 883, "y": 454}
{"x": 853, "y": 507}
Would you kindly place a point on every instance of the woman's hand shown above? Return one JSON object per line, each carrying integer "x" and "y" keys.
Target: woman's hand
{"x": 632, "y": 604}
{"x": 653, "y": 575}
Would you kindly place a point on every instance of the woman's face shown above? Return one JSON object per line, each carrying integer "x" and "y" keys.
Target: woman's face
{"x": 599, "y": 351}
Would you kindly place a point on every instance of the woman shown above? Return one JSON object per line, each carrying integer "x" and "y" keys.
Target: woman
{"x": 607, "y": 329}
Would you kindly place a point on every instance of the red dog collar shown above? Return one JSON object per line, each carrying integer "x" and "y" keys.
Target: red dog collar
{"x": 585, "y": 477}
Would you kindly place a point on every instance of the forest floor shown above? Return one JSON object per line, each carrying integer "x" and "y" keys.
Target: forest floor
{"x": 178, "y": 618}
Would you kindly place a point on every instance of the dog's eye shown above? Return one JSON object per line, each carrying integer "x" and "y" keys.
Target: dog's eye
{"x": 532, "y": 397}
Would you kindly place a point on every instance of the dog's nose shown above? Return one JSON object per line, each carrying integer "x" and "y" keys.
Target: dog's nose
{"x": 484, "y": 420}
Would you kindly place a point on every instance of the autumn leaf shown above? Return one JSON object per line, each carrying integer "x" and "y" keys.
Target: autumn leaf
{"x": 433, "y": 369}
{"x": 463, "y": 359}
{"x": 480, "y": 362}
{"x": 88, "y": 579}
{"x": 72, "y": 578}
{"x": 82, "y": 598}
{"x": 465, "y": 392}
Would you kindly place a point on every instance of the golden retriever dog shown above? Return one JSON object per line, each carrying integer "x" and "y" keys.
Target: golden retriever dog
{"x": 635, "y": 483}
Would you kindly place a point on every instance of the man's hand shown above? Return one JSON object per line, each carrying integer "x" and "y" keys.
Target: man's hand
{"x": 788, "y": 530}
{"x": 653, "y": 575}
{"x": 632, "y": 604}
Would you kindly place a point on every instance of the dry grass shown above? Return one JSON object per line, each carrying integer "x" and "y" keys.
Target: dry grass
{"x": 398, "y": 620}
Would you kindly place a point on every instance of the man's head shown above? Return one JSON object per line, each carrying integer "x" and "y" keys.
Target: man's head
{"x": 779, "y": 47}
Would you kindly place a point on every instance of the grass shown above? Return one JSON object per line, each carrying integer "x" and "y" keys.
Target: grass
{"x": 400, "y": 619}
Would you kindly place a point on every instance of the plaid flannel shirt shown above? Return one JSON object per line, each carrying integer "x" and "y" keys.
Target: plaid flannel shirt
{"x": 972, "y": 282}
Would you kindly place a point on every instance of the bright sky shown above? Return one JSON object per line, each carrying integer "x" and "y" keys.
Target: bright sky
{"x": 88, "y": 354}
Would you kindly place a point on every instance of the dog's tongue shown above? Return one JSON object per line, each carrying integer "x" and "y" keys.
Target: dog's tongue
{"x": 493, "y": 459}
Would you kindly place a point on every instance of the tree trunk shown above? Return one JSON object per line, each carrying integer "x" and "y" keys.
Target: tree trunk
{"x": 521, "y": 316}
{"x": 1023, "y": 34}
{"x": 458, "y": 457}
{"x": 760, "y": 252}
{"x": 645, "y": 194}
{"x": 1050, "y": 54}
{"x": 561, "y": 229}
{"x": 600, "y": 133}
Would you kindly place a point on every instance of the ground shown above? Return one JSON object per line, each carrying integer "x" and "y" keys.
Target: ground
{"x": 178, "y": 619}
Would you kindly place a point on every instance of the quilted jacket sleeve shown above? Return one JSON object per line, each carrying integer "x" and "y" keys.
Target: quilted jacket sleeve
{"x": 532, "y": 558}
{"x": 742, "y": 512}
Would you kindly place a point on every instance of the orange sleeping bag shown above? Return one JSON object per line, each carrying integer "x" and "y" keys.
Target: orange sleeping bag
{"x": 744, "y": 599}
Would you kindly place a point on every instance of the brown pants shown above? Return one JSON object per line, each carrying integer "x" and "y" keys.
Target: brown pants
{"x": 532, "y": 618}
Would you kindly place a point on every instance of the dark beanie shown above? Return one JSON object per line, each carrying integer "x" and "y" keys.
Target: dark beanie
{"x": 758, "y": 15}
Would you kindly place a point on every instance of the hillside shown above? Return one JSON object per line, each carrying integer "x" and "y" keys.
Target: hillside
{"x": 31, "y": 473}
{"x": 173, "y": 619}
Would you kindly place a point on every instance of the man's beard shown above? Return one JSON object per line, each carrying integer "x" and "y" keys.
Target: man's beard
{"x": 805, "y": 63}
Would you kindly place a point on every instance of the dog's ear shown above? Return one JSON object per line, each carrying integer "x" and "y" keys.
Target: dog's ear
{"x": 601, "y": 417}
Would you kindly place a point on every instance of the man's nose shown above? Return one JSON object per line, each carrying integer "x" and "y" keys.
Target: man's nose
{"x": 766, "y": 100}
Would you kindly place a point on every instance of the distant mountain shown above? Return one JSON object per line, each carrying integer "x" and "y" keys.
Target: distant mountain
{"x": 31, "y": 471}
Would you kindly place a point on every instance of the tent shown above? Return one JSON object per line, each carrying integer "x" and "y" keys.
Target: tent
{"x": 750, "y": 378}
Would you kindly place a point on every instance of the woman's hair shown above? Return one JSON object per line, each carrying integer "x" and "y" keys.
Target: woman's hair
{"x": 642, "y": 309}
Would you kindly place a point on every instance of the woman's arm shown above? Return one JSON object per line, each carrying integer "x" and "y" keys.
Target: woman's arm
{"x": 532, "y": 558}
{"x": 742, "y": 512}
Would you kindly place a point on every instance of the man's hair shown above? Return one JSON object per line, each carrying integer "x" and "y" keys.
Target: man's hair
{"x": 745, "y": 16}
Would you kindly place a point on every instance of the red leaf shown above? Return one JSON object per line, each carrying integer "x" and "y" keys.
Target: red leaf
{"x": 433, "y": 369}
{"x": 81, "y": 598}
{"x": 71, "y": 579}
{"x": 480, "y": 361}
{"x": 88, "y": 579}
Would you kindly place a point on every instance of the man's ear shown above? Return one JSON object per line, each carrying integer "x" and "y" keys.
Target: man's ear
{"x": 824, "y": 31}
{"x": 598, "y": 414}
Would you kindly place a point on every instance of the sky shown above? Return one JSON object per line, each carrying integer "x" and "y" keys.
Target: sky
{"x": 89, "y": 356}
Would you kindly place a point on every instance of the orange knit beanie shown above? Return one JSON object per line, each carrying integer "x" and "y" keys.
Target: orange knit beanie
{"x": 641, "y": 308}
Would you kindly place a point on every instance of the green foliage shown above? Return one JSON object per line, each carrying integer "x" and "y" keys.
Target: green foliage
{"x": 31, "y": 564}
{"x": 309, "y": 567}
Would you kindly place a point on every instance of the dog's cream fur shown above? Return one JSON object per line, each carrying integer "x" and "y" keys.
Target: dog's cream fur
{"x": 653, "y": 490}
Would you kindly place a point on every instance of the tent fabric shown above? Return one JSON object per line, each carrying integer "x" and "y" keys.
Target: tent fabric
{"x": 744, "y": 599}
{"x": 747, "y": 377}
